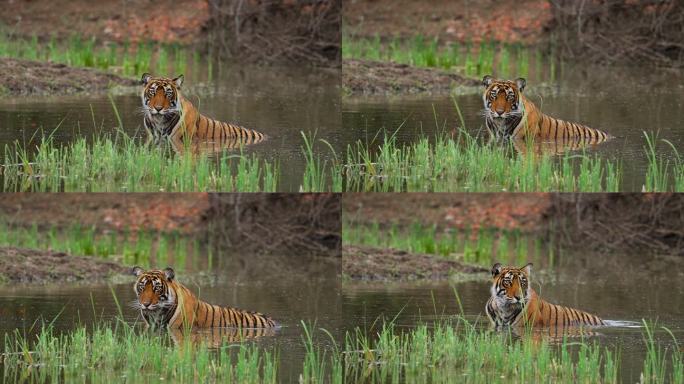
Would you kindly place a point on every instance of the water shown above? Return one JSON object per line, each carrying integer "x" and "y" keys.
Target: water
{"x": 624, "y": 102}
{"x": 280, "y": 102}
{"x": 615, "y": 287}
{"x": 293, "y": 296}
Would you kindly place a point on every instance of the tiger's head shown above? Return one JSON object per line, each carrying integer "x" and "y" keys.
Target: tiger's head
{"x": 502, "y": 98}
{"x": 511, "y": 285}
{"x": 160, "y": 96}
{"x": 152, "y": 289}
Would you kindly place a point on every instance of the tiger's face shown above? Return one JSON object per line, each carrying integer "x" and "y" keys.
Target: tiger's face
{"x": 152, "y": 289}
{"x": 160, "y": 95}
{"x": 511, "y": 285}
{"x": 502, "y": 98}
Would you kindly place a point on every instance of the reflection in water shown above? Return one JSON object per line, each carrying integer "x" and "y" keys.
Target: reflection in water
{"x": 539, "y": 148}
{"x": 212, "y": 148}
{"x": 216, "y": 337}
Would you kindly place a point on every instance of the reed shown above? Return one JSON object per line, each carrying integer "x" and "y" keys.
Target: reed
{"x": 458, "y": 350}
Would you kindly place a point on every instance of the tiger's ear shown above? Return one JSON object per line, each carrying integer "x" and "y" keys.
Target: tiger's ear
{"x": 137, "y": 271}
{"x": 487, "y": 81}
{"x": 496, "y": 269}
{"x": 528, "y": 269}
{"x": 145, "y": 78}
{"x": 520, "y": 82}
{"x": 169, "y": 273}
{"x": 179, "y": 81}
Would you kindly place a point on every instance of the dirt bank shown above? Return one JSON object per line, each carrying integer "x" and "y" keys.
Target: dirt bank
{"x": 25, "y": 77}
{"x": 369, "y": 263}
{"x": 20, "y": 265}
{"x": 365, "y": 77}
{"x": 107, "y": 20}
{"x": 526, "y": 212}
{"x": 449, "y": 20}
{"x": 165, "y": 212}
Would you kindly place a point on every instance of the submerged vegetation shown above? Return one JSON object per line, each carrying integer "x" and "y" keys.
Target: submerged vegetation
{"x": 459, "y": 351}
{"x": 481, "y": 247}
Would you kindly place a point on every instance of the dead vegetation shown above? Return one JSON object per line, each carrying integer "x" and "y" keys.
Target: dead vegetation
{"x": 621, "y": 222}
{"x": 612, "y": 31}
{"x": 276, "y": 222}
{"x": 290, "y": 31}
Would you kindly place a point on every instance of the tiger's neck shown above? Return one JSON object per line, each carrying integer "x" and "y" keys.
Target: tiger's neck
{"x": 510, "y": 126}
{"x": 159, "y": 319}
{"x": 502, "y": 315}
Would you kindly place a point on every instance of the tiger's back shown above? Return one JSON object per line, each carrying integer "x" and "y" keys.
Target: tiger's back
{"x": 169, "y": 115}
{"x": 164, "y": 302}
{"x": 509, "y": 113}
{"x": 514, "y": 303}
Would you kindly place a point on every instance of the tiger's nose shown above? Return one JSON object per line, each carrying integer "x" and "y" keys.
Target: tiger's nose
{"x": 500, "y": 111}
{"x": 158, "y": 107}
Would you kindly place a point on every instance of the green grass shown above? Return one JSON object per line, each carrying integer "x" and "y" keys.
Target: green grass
{"x": 121, "y": 163}
{"x": 664, "y": 173}
{"x": 481, "y": 247}
{"x": 144, "y": 248}
{"x": 464, "y": 163}
{"x": 109, "y": 353}
{"x": 457, "y": 351}
{"x": 486, "y": 58}
{"x": 78, "y": 51}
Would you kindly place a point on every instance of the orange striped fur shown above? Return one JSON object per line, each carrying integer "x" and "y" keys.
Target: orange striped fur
{"x": 169, "y": 115}
{"x": 164, "y": 302}
{"x": 514, "y": 303}
{"x": 509, "y": 113}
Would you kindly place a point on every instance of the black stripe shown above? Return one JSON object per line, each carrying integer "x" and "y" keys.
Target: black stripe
{"x": 233, "y": 318}
{"x": 555, "y": 307}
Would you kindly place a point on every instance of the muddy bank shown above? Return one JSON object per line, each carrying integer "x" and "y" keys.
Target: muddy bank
{"x": 27, "y": 78}
{"x": 21, "y": 265}
{"x": 526, "y": 212}
{"x": 371, "y": 264}
{"x": 365, "y": 77}
{"x": 163, "y": 212}
{"x": 449, "y": 20}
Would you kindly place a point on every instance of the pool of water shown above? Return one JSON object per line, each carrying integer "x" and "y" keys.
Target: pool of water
{"x": 624, "y": 102}
{"x": 291, "y": 297}
{"x": 280, "y": 102}
{"x": 615, "y": 287}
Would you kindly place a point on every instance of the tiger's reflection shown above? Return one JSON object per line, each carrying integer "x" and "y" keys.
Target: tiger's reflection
{"x": 197, "y": 147}
{"x": 216, "y": 337}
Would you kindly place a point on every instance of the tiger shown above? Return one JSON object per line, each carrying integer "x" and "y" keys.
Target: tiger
{"x": 167, "y": 114}
{"x": 165, "y": 303}
{"x": 509, "y": 114}
{"x": 514, "y": 303}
